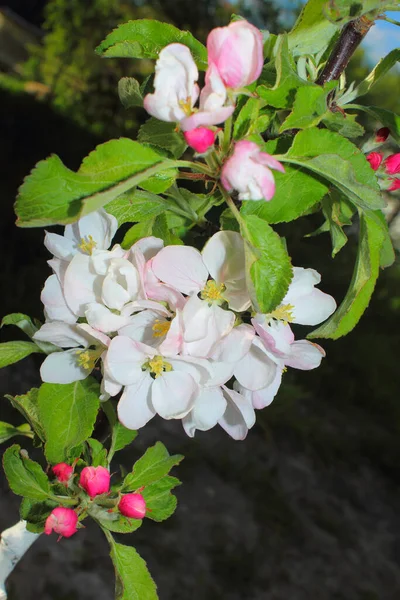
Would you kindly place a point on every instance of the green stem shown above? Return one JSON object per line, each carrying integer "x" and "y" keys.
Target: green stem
{"x": 64, "y": 500}
{"x": 232, "y": 205}
{"x": 227, "y": 135}
{"x": 195, "y": 166}
{"x": 389, "y": 20}
{"x": 183, "y": 203}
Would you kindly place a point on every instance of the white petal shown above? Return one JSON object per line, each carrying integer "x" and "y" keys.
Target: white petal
{"x": 208, "y": 409}
{"x": 81, "y": 284}
{"x": 121, "y": 284}
{"x": 124, "y": 360}
{"x": 197, "y": 368}
{"x": 173, "y": 394}
{"x": 256, "y": 370}
{"x": 302, "y": 284}
{"x": 304, "y": 355}
{"x": 110, "y": 387}
{"x": 182, "y": 267}
{"x": 313, "y": 308}
{"x": 239, "y": 416}
{"x": 63, "y": 335}
{"x": 100, "y": 317}
{"x": 63, "y": 367}
{"x": 135, "y": 408}
{"x": 148, "y": 246}
{"x": 54, "y": 301}
{"x": 100, "y": 225}
{"x": 93, "y": 336}
{"x": 217, "y": 322}
{"x": 276, "y": 336}
{"x": 172, "y": 343}
{"x": 140, "y": 327}
{"x": 234, "y": 346}
{"x": 60, "y": 246}
{"x": 224, "y": 257}
{"x": 237, "y": 295}
{"x": 101, "y": 258}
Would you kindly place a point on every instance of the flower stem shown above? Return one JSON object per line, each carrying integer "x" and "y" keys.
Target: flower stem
{"x": 227, "y": 135}
{"x": 231, "y": 205}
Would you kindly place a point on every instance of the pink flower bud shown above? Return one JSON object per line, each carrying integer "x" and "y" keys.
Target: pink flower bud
{"x": 392, "y": 164}
{"x": 375, "y": 159}
{"x": 200, "y": 139}
{"x": 95, "y": 480}
{"x": 248, "y": 172}
{"x": 63, "y": 472}
{"x": 382, "y": 135}
{"x": 395, "y": 185}
{"x": 63, "y": 521}
{"x": 237, "y": 52}
{"x": 132, "y": 506}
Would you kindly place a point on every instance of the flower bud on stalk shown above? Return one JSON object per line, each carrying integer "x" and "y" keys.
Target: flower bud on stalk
{"x": 200, "y": 139}
{"x": 392, "y": 164}
{"x": 375, "y": 159}
{"x": 382, "y": 135}
{"x": 95, "y": 481}
{"x": 132, "y": 506}
{"x": 62, "y": 521}
{"x": 63, "y": 472}
{"x": 395, "y": 185}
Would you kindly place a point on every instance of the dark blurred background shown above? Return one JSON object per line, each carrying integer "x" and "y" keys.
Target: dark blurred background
{"x": 307, "y": 508}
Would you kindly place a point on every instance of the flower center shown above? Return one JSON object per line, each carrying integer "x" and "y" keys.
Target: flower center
{"x": 88, "y": 358}
{"x": 186, "y": 106}
{"x": 283, "y": 313}
{"x": 213, "y": 291}
{"x": 157, "y": 366}
{"x": 87, "y": 246}
{"x": 161, "y": 328}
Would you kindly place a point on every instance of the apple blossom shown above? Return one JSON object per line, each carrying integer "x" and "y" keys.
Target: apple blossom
{"x": 248, "y": 172}
{"x": 85, "y": 346}
{"x": 62, "y": 521}
{"x": 132, "y": 506}
{"x": 237, "y": 53}
{"x": 375, "y": 159}
{"x": 394, "y": 184}
{"x": 382, "y": 135}
{"x": 95, "y": 480}
{"x": 392, "y": 164}
{"x": 63, "y": 472}
{"x": 200, "y": 139}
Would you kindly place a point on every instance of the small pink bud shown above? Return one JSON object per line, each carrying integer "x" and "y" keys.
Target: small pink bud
{"x": 132, "y": 506}
{"x": 200, "y": 139}
{"x": 63, "y": 472}
{"x": 95, "y": 480}
{"x": 395, "y": 185}
{"x": 382, "y": 135}
{"x": 375, "y": 159}
{"x": 392, "y": 164}
{"x": 63, "y": 521}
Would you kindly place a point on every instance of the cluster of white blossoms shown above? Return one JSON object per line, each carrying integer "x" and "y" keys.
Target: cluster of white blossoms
{"x": 172, "y": 328}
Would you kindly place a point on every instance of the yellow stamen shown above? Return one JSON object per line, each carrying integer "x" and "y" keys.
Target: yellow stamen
{"x": 186, "y": 106}
{"x": 87, "y": 246}
{"x": 87, "y": 358}
{"x": 284, "y": 370}
{"x": 213, "y": 291}
{"x": 283, "y": 313}
{"x": 161, "y": 328}
{"x": 157, "y": 366}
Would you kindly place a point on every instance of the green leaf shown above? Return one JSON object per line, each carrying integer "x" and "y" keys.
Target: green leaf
{"x": 110, "y": 170}
{"x": 164, "y": 135}
{"x": 145, "y": 38}
{"x": 136, "y": 232}
{"x": 296, "y": 192}
{"x": 246, "y": 117}
{"x": 362, "y": 284}
{"x": 12, "y": 352}
{"x": 129, "y": 92}
{"x": 68, "y": 413}
{"x": 343, "y": 11}
{"x": 268, "y": 266}
{"x": 163, "y": 231}
{"x": 36, "y": 513}
{"x": 138, "y": 206}
{"x": 27, "y": 405}
{"x": 160, "y": 503}
{"x": 8, "y": 431}
{"x": 287, "y": 80}
{"x": 337, "y": 160}
{"x": 26, "y": 324}
{"x": 114, "y": 521}
{"x": 25, "y": 477}
{"x": 98, "y": 453}
{"x": 309, "y": 108}
{"x": 133, "y": 580}
{"x": 152, "y": 466}
{"x": 160, "y": 182}
{"x": 345, "y": 124}
{"x": 386, "y": 117}
{"x": 122, "y": 437}
{"x": 312, "y": 32}
{"x": 338, "y": 212}
{"x": 383, "y": 66}
{"x": 228, "y": 222}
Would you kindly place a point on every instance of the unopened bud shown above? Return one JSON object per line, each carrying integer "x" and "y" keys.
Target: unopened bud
{"x": 63, "y": 472}
{"x": 95, "y": 480}
{"x": 395, "y": 185}
{"x": 200, "y": 139}
{"x": 375, "y": 159}
{"x": 62, "y": 521}
{"x": 392, "y": 164}
{"x": 132, "y": 506}
{"x": 382, "y": 135}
